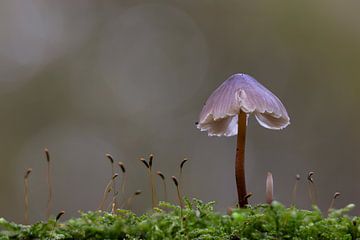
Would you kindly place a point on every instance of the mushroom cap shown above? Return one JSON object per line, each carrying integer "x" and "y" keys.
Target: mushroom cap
{"x": 219, "y": 116}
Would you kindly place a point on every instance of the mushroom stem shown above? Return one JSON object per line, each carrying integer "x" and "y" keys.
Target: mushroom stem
{"x": 240, "y": 159}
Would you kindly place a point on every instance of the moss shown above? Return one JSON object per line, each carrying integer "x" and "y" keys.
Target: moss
{"x": 197, "y": 220}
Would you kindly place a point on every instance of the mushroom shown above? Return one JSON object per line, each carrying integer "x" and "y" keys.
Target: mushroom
{"x": 226, "y": 112}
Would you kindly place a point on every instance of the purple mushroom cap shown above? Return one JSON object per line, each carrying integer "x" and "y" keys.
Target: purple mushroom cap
{"x": 219, "y": 116}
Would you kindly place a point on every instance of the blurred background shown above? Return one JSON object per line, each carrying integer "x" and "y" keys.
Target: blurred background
{"x": 129, "y": 78}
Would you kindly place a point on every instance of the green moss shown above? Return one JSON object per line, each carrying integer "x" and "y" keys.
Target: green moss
{"x": 196, "y": 221}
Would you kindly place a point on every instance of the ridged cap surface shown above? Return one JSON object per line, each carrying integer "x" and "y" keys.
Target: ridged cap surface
{"x": 240, "y": 91}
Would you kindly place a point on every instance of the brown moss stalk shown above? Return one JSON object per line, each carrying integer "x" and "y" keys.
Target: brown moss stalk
{"x": 111, "y": 159}
{"x": 176, "y": 182}
{"x": 26, "y": 195}
{"x": 49, "y": 183}
{"x": 162, "y": 176}
{"x": 106, "y": 192}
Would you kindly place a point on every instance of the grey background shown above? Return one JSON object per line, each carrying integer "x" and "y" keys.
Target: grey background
{"x": 129, "y": 78}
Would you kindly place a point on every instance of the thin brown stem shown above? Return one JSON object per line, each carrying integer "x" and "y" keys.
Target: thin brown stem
{"x": 179, "y": 196}
{"x": 26, "y": 195}
{"x": 120, "y": 194}
{"x": 109, "y": 206}
{"x": 176, "y": 182}
{"x": 149, "y": 168}
{"x": 312, "y": 188}
{"x": 49, "y": 182}
{"x": 152, "y": 184}
{"x": 153, "y": 192}
{"x": 336, "y": 195}
{"x": 106, "y": 192}
{"x": 123, "y": 170}
{"x": 181, "y": 174}
{"x": 162, "y": 176}
{"x": 181, "y": 169}
{"x": 130, "y": 199}
{"x": 112, "y": 174}
{"x": 240, "y": 159}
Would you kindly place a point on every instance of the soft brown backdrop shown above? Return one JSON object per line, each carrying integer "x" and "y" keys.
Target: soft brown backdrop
{"x": 129, "y": 78}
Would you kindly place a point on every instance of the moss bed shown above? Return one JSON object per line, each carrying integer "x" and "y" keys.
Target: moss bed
{"x": 197, "y": 220}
